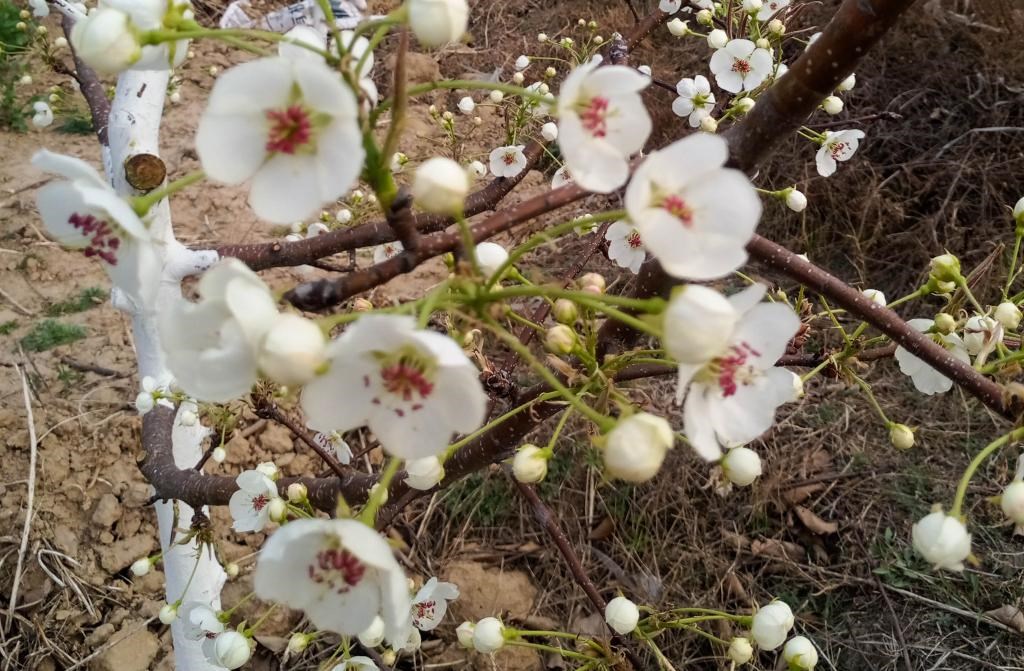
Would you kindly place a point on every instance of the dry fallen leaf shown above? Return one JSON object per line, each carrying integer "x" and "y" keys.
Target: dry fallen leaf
{"x": 1011, "y": 616}
{"x": 815, "y": 523}
{"x": 603, "y": 529}
{"x": 777, "y": 549}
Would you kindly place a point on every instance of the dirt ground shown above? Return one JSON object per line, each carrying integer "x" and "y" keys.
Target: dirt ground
{"x": 827, "y": 528}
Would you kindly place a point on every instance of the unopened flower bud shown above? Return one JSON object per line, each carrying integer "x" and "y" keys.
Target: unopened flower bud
{"x": 549, "y": 131}
{"x": 943, "y": 288}
{"x": 168, "y": 613}
{"x": 560, "y": 339}
{"x": 389, "y": 657}
{"x": 231, "y": 650}
{"x": 144, "y": 402}
{"x": 60, "y": 42}
{"x": 440, "y": 186}
{"x": 478, "y": 169}
{"x": 763, "y": 43}
{"x": 424, "y": 473}
{"x": 901, "y": 436}
{"x": 488, "y": 635}
{"x": 518, "y": 78}
{"x": 776, "y": 27}
{"x": 745, "y": 104}
{"x": 447, "y": 116}
{"x": 1012, "y": 502}
{"x": 945, "y": 323}
{"x": 219, "y": 454}
{"x": 466, "y": 105}
{"x": 373, "y": 635}
{"x": 565, "y": 311}
{"x": 832, "y": 105}
{"x": 278, "y": 509}
{"x": 297, "y": 643}
{"x": 361, "y": 305}
{"x": 740, "y": 650}
{"x": 375, "y": 489}
{"x": 187, "y": 418}
{"x": 945, "y": 268}
{"x": 942, "y": 540}
{"x": 465, "y": 634}
{"x": 705, "y": 17}
{"x": 25, "y": 80}
{"x": 550, "y": 72}
{"x": 717, "y": 39}
{"x": 231, "y": 568}
{"x": 800, "y": 654}
{"x": 752, "y": 5}
{"x": 542, "y": 37}
{"x": 875, "y": 296}
{"x": 496, "y": 96}
{"x": 622, "y": 615}
{"x": 522, "y": 62}
{"x": 140, "y": 567}
{"x": 438, "y": 22}
{"x": 20, "y": 25}
{"x": 847, "y": 84}
{"x": 1008, "y": 314}
{"x": 297, "y": 492}
{"x": 595, "y": 280}
{"x": 796, "y": 200}
{"x": 530, "y": 464}
{"x": 677, "y": 27}
{"x": 635, "y": 449}
{"x": 709, "y": 124}
{"x": 741, "y": 465}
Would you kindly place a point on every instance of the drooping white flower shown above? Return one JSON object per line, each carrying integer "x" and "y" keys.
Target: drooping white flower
{"x": 981, "y": 331}
{"x": 1008, "y": 314}
{"x": 292, "y": 350}
{"x": 229, "y": 650}
{"x": 431, "y": 603}
{"x": 356, "y": 663}
{"x": 1011, "y": 502}
{"x": 413, "y": 388}
{"x": 383, "y": 252}
{"x": 288, "y": 125}
{"x": 741, "y": 466}
{"x": 635, "y": 449}
{"x": 212, "y": 346}
{"x": 490, "y": 256}
{"x": 622, "y": 615}
{"x": 838, "y": 146}
{"x": 43, "y": 116}
{"x": 488, "y": 635}
{"x": 741, "y": 66}
{"x": 437, "y": 22}
{"x": 423, "y": 473}
{"x": 942, "y": 540}
{"x": 561, "y": 177}
{"x": 694, "y": 215}
{"x": 249, "y": 506}
{"x": 373, "y": 635}
{"x": 339, "y": 572}
{"x": 696, "y": 322}
{"x": 39, "y": 8}
{"x": 731, "y": 398}
{"x": 81, "y": 211}
{"x": 625, "y": 247}
{"x": 771, "y": 625}
{"x": 926, "y": 379}
{"x": 695, "y": 100}
{"x": 800, "y": 654}
{"x": 602, "y": 121}
{"x": 508, "y": 161}
{"x": 200, "y": 622}
{"x": 530, "y": 464}
{"x": 440, "y": 186}
{"x": 770, "y": 8}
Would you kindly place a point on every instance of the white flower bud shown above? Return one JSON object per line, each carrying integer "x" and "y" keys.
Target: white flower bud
{"x": 740, "y": 650}
{"x": 231, "y": 650}
{"x": 219, "y": 454}
{"x": 542, "y": 37}
{"x": 231, "y": 568}
{"x": 297, "y": 492}
{"x": 140, "y": 567}
{"x": 1012, "y": 502}
{"x": 565, "y": 311}
{"x": 945, "y": 323}
{"x": 800, "y": 654}
{"x": 550, "y": 72}
{"x": 1008, "y": 314}
{"x": 763, "y": 43}
{"x": 477, "y": 121}
{"x": 549, "y": 131}
{"x": 522, "y": 62}
{"x": 478, "y": 169}
{"x": 466, "y": 105}
{"x": 25, "y": 80}
{"x": 717, "y": 39}
{"x": 942, "y": 540}
{"x": 832, "y": 105}
{"x": 543, "y": 89}
{"x": 144, "y": 402}
{"x": 496, "y": 96}
{"x": 447, "y": 116}
{"x": 465, "y": 633}
{"x": 423, "y": 474}
{"x": 945, "y": 268}
{"x": 187, "y": 418}
{"x": 530, "y": 464}
{"x": 752, "y": 5}
{"x": 389, "y": 657}
{"x": 771, "y": 625}
{"x": 297, "y": 643}
{"x": 622, "y": 615}
{"x": 705, "y": 17}
{"x": 635, "y": 449}
{"x": 373, "y": 492}
{"x": 776, "y": 27}
{"x": 600, "y": 40}
{"x": 560, "y": 339}
{"x": 437, "y": 22}
{"x": 847, "y": 84}
{"x": 745, "y": 104}
{"x": 518, "y": 78}
{"x": 293, "y": 350}
{"x": 709, "y": 124}
{"x": 677, "y": 27}
{"x": 488, "y": 635}
{"x": 105, "y": 40}
{"x": 168, "y": 613}
{"x": 60, "y": 42}
{"x": 175, "y": 97}
{"x": 901, "y": 436}
{"x": 875, "y": 296}
{"x": 398, "y": 161}
{"x": 278, "y": 509}
{"x": 796, "y": 200}
{"x": 595, "y": 281}
{"x": 741, "y": 466}
{"x": 490, "y": 256}
{"x": 373, "y": 635}
{"x": 440, "y": 186}
{"x": 214, "y": 70}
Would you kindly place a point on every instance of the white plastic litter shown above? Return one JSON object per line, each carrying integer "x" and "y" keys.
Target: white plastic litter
{"x": 347, "y": 13}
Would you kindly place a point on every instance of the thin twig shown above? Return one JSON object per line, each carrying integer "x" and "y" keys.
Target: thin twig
{"x": 29, "y": 498}
{"x": 269, "y": 410}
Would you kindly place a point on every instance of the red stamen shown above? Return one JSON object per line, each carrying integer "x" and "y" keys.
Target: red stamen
{"x": 338, "y": 568}
{"x": 741, "y": 66}
{"x": 405, "y": 380}
{"x": 678, "y": 208}
{"x": 731, "y": 365}
{"x": 836, "y": 149}
{"x": 290, "y": 129}
{"x": 103, "y": 238}
{"x": 595, "y": 116}
{"x": 633, "y": 239}
{"x": 258, "y": 502}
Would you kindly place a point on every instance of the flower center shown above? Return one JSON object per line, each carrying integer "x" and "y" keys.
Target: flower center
{"x": 509, "y": 158}
{"x": 259, "y": 501}
{"x": 836, "y": 149}
{"x": 103, "y": 240}
{"x": 594, "y": 116}
{"x": 337, "y": 568}
{"x": 634, "y": 239}
{"x": 424, "y": 610}
{"x": 677, "y": 207}
{"x": 290, "y": 129}
{"x": 741, "y": 66}
{"x": 733, "y": 370}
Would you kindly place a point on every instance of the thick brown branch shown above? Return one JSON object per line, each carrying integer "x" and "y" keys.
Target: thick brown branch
{"x": 91, "y": 87}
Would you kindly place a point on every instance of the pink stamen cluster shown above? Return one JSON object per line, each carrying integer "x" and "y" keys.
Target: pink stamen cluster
{"x": 741, "y": 66}
{"x": 103, "y": 242}
{"x": 836, "y": 149}
{"x": 290, "y": 129}
{"x": 259, "y": 501}
{"x": 595, "y": 116}
{"x": 730, "y": 366}
{"x": 509, "y": 158}
{"x": 338, "y": 568}
{"x": 633, "y": 239}
{"x": 424, "y": 610}
{"x": 678, "y": 208}
{"x": 406, "y": 380}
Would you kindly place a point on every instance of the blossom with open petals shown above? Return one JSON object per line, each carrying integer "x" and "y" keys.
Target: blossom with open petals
{"x": 838, "y": 146}
{"x": 695, "y": 101}
{"x": 602, "y": 121}
{"x": 926, "y": 379}
{"x": 741, "y": 66}
{"x": 356, "y": 663}
{"x": 81, "y": 211}
{"x": 508, "y": 161}
{"x": 291, "y": 127}
{"x": 625, "y": 247}
{"x": 414, "y": 388}
{"x": 694, "y": 215}
{"x": 340, "y": 572}
{"x": 249, "y": 505}
{"x": 770, "y": 8}
{"x": 212, "y": 347}
{"x": 431, "y": 603}
{"x": 732, "y": 397}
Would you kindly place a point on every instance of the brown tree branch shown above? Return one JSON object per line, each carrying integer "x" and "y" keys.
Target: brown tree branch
{"x": 91, "y": 87}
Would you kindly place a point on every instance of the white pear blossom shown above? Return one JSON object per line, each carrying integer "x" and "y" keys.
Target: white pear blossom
{"x": 1011, "y": 502}
{"x": 398, "y": 161}
{"x": 561, "y": 177}
{"x": 677, "y": 27}
{"x": 635, "y": 449}
{"x": 832, "y": 105}
{"x": 741, "y": 466}
{"x": 800, "y": 654}
{"x": 530, "y": 464}
{"x": 488, "y": 635}
{"x": 490, "y": 256}
{"x": 43, "y": 115}
{"x": 770, "y": 8}
{"x": 695, "y": 101}
{"x": 741, "y": 66}
{"x": 508, "y": 161}
{"x": 771, "y": 625}
{"x": 269, "y": 469}
{"x": 694, "y": 215}
{"x": 838, "y": 146}
{"x": 602, "y": 122}
{"x": 81, "y": 211}
{"x": 981, "y": 331}
{"x": 423, "y": 474}
{"x": 373, "y": 635}
{"x": 202, "y": 623}
{"x": 549, "y": 131}
{"x": 339, "y": 571}
{"x": 292, "y": 350}
{"x": 333, "y": 443}
{"x": 622, "y": 615}
{"x": 437, "y": 22}
{"x": 740, "y": 650}
{"x": 356, "y": 663}
{"x": 942, "y": 540}
{"x": 731, "y": 398}
{"x": 875, "y": 296}
{"x": 387, "y": 250}
{"x": 796, "y": 200}
{"x": 413, "y": 388}
{"x": 431, "y": 603}
{"x": 440, "y": 186}
{"x": 39, "y": 8}
{"x": 696, "y": 323}
{"x": 625, "y": 247}
{"x": 295, "y": 42}
{"x": 249, "y": 505}
{"x": 926, "y": 379}
{"x": 288, "y": 125}
{"x": 1007, "y": 314}
{"x": 212, "y": 346}
{"x": 107, "y": 38}
{"x": 229, "y": 650}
